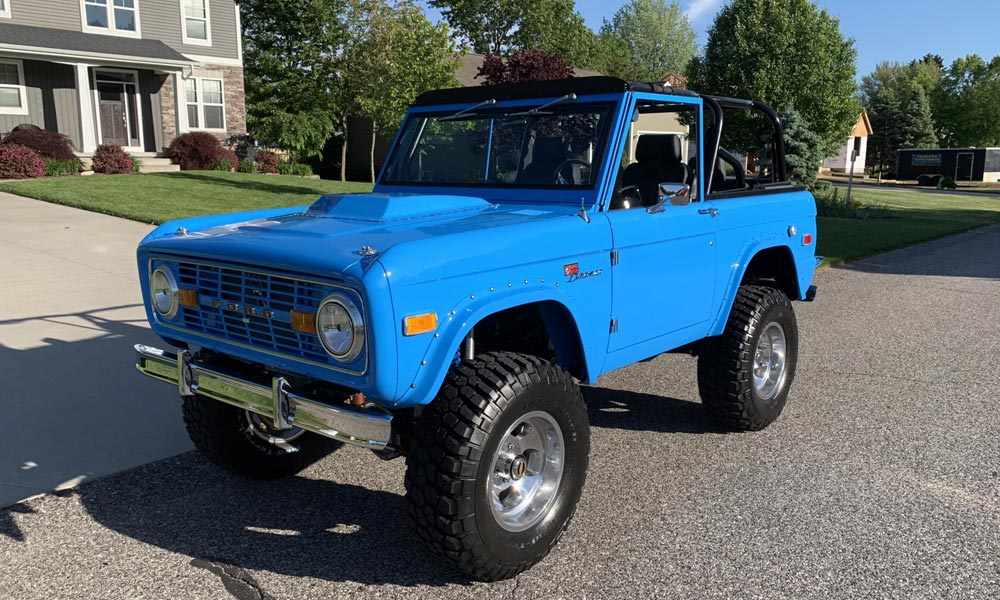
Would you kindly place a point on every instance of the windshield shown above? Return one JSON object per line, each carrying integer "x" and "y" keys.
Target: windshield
{"x": 554, "y": 147}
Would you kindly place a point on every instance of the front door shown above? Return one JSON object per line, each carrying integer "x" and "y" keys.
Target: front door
{"x": 963, "y": 172}
{"x": 664, "y": 282}
{"x": 118, "y": 107}
{"x": 114, "y": 115}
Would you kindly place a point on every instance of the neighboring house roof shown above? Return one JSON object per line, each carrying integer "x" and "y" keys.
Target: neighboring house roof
{"x": 45, "y": 42}
{"x": 469, "y": 68}
{"x": 863, "y": 128}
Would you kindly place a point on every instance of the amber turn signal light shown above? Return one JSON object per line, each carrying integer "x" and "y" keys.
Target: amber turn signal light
{"x": 187, "y": 297}
{"x": 303, "y": 322}
{"x": 417, "y": 324}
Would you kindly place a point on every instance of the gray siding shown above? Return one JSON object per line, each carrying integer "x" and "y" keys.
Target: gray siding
{"x": 158, "y": 20}
{"x": 51, "y": 99}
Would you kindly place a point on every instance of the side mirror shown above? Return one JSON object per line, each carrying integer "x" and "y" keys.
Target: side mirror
{"x": 675, "y": 194}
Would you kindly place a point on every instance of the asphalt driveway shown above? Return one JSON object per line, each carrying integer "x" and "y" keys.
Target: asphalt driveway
{"x": 881, "y": 480}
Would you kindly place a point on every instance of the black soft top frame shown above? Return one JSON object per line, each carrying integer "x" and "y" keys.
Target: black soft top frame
{"x": 610, "y": 85}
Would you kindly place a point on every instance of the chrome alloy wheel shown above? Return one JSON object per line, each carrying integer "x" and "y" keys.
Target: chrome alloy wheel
{"x": 264, "y": 429}
{"x": 527, "y": 470}
{"x": 769, "y": 361}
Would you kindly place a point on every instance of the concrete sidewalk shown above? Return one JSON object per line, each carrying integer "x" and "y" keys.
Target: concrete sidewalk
{"x": 70, "y": 310}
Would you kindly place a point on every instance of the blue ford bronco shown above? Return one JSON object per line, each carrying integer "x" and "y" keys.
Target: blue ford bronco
{"x": 521, "y": 239}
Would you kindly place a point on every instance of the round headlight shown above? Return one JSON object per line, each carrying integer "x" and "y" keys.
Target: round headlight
{"x": 163, "y": 292}
{"x": 340, "y": 329}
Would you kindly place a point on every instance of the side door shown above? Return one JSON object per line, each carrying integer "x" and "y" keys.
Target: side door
{"x": 664, "y": 276}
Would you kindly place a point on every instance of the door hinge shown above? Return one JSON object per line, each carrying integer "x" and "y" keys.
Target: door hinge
{"x": 614, "y": 257}
{"x": 614, "y": 325}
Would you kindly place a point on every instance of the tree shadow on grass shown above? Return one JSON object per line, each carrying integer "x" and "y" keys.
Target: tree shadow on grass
{"x": 279, "y": 186}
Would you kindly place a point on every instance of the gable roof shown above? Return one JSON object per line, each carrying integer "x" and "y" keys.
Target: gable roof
{"x": 863, "y": 128}
{"x": 65, "y": 43}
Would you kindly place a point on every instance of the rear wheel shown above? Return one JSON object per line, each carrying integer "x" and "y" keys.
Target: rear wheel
{"x": 498, "y": 463}
{"x": 744, "y": 374}
{"x": 248, "y": 444}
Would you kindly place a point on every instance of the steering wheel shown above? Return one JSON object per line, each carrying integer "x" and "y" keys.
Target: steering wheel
{"x": 557, "y": 176}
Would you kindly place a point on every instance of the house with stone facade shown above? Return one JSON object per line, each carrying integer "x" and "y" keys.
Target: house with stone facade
{"x": 135, "y": 73}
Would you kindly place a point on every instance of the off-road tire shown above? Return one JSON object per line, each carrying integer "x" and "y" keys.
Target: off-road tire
{"x": 222, "y": 433}
{"x": 726, "y": 362}
{"x": 452, "y": 459}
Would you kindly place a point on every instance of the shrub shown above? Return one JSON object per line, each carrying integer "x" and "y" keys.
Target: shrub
{"x": 58, "y": 168}
{"x": 112, "y": 160}
{"x": 195, "y": 151}
{"x": 294, "y": 168}
{"x": 302, "y": 170}
{"x": 47, "y": 144}
{"x": 247, "y": 166}
{"x": 267, "y": 162}
{"x": 136, "y": 164}
{"x": 19, "y": 162}
{"x": 948, "y": 184}
{"x": 831, "y": 205}
{"x": 227, "y": 161}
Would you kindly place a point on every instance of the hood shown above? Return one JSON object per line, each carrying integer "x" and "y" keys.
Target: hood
{"x": 338, "y": 233}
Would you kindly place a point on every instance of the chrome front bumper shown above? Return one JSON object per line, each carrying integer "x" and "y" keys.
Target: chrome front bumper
{"x": 367, "y": 428}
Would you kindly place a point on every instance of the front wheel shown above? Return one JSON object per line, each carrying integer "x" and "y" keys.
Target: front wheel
{"x": 498, "y": 463}
{"x": 246, "y": 443}
{"x": 744, "y": 374}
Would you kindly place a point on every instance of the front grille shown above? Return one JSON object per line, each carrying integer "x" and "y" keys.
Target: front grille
{"x": 252, "y": 308}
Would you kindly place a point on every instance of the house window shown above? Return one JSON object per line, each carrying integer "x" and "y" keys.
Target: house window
{"x": 120, "y": 17}
{"x": 205, "y": 106}
{"x": 197, "y": 22}
{"x": 5, "y": 9}
{"x": 12, "y": 95}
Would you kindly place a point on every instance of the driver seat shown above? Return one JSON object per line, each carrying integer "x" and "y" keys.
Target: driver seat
{"x": 658, "y": 160}
{"x": 547, "y": 153}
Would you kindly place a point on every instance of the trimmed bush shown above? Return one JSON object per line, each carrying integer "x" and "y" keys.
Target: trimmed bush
{"x": 294, "y": 168}
{"x": 195, "y": 151}
{"x": 227, "y": 161}
{"x": 948, "y": 184}
{"x": 112, "y": 160}
{"x": 47, "y": 144}
{"x": 267, "y": 162}
{"x": 247, "y": 166}
{"x": 59, "y": 168}
{"x": 302, "y": 170}
{"x": 19, "y": 162}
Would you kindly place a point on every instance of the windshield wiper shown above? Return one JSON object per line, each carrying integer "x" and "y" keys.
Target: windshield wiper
{"x": 467, "y": 111}
{"x": 538, "y": 109}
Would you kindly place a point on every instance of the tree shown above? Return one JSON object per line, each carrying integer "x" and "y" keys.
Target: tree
{"x": 966, "y": 105}
{"x": 654, "y": 37}
{"x": 504, "y": 27}
{"x": 393, "y": 55}
{"x": 899, "y": 110}
{"x": 487, "y": 26}
{"x": 528, "y": 65}
{"x": 554, "y": 26}
{"x": 803, "y": 148}
{"x": 785, "y": 53}
{"x": 291, "y": 73}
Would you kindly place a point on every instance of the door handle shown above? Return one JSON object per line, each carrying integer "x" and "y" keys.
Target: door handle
{"x": 709, "y": 211}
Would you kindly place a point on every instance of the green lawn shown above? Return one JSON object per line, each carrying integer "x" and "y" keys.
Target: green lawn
{"x": 911, "y": 217}
{"x": 161, "y": 197}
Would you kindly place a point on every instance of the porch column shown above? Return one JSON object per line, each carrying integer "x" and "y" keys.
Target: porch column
{"x": 85, "y": 97}
{"x": 180, "y": 98}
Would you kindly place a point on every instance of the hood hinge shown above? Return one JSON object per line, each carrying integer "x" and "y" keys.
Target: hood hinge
{"x": 614, "y": 257}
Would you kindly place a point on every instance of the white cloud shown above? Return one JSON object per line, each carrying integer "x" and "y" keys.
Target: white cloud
{"x": 697, "y": 8}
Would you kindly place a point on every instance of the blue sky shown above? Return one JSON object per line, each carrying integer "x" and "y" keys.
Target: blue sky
{"x": 894, "y": 30}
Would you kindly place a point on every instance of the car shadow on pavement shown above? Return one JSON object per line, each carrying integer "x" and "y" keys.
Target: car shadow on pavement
{"x": 297, "y": 527}
{"x": 621, "y": 409}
